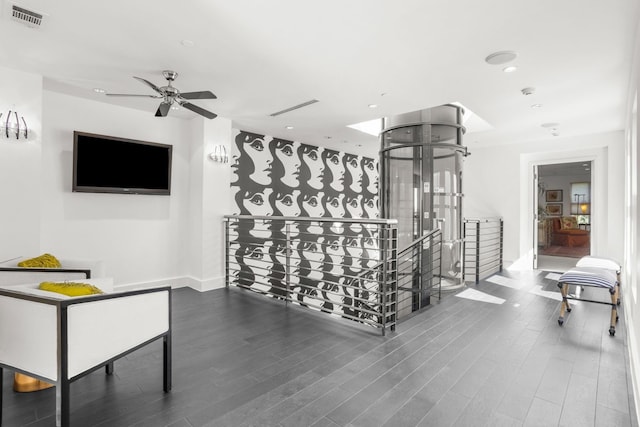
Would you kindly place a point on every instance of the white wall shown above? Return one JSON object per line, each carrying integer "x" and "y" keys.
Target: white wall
{"x": 562, "y": 183}
{"x": 20, "y": 166}
{"x": 138, "y": 237}
{"x": 210, "y": 200}
{"x": 631, "y": 265}
{"x": 499, "y": 182}
{"x": 141, "y": 239}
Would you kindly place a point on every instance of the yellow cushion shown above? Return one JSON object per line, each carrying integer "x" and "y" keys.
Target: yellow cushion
{"x": 569, "y": 222}
{"x": 71, "y": 289}
{"x": 44, "y": 260}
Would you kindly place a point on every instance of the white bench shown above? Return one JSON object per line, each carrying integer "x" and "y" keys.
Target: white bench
{"x": 72, "y": 269}
{"x": 59, "y": 339}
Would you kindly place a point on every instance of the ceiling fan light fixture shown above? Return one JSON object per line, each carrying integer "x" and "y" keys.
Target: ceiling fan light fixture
{"x": 171, "y": 95}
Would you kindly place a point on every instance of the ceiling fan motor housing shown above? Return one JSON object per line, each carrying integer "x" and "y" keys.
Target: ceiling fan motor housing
{"x": 170, "y": 75}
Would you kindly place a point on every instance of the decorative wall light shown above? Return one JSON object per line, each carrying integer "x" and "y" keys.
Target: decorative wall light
{"x": 219, "y": 154}
{"x": 11, "y": 126}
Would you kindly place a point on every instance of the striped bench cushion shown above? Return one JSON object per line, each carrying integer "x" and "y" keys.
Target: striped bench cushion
{"x": 590, "y": 276}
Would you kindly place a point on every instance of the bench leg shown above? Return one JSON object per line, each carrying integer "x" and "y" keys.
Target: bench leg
{"x": 108, "y": 368}
{"x": 564, "y": 290}
{"x": 614, "y": 312}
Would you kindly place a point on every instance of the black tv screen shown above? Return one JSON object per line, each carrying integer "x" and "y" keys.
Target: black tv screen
{"x": 107, "y": 164}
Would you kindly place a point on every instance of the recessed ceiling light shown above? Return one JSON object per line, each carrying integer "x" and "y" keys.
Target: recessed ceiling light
{"x": 510, "y": 69}
{"x": 585, "y": 164}
{"x": 98, "y": 90}
{"x": 187, "y": 43}
{"x": 501, "y": 57}
{"x": 289, "y": 127}
{"x": 373, "y": 105}
{"x": 550, "y": 125}
{"x": 536, "y": 106}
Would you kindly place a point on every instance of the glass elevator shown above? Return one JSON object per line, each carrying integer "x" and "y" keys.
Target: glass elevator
{"x": 421, "y": 160}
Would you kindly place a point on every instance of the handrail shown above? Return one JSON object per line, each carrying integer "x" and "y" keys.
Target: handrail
{"x": 418, "y": 240}
{"x": 318, "y": 219}
{"x": 487, "y": 219}
{"x": 411, "y": 245}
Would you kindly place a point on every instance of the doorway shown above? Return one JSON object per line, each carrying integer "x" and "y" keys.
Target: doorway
{"x": 563, "y": 217}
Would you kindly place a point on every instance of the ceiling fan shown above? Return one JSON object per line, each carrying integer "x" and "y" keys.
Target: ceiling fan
{"x": 170, "y": 94}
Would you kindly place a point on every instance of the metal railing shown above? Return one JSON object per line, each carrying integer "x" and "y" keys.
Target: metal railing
{"x": 419, "y": 273}
{"x": 483, "y": 247}
{"x": 344, "y": 267}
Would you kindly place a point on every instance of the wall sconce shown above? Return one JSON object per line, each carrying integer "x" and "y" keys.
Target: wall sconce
{"x": 11, "y": 126}
{"x": 219, "y": 154}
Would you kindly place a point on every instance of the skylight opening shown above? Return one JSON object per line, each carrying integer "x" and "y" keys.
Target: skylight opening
{"x": 471, "y": 121}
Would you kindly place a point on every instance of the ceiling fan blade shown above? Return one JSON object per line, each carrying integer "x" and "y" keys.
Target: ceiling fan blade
{"x": 196, "y": 109}
{"x": 130, "y": 94}
{"x": 148, "y": 83}
{"x": 163, "y": 109}
{"x": 205, "y": 94}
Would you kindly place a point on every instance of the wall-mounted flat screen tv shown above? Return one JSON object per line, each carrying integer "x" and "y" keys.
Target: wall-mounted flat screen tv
{"x": 107, "y": 164}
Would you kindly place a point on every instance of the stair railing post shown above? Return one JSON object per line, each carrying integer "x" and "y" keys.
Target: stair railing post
{"x": 288, "y": 262}
{"x": 477, "y": 252}
{"x": 227, "y": 252}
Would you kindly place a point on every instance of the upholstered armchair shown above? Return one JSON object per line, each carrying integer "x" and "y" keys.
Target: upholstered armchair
{"x": 59, "y": 339}
{"x": 565, "y": 232}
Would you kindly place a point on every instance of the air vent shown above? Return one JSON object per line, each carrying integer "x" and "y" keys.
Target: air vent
{"x": 295, "y": 107}
{"x": 26, "y": 17}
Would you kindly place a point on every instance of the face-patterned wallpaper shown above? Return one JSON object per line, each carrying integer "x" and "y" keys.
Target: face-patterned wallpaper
{"x": 286, "y": 178}
{"x": 276, "y": 177}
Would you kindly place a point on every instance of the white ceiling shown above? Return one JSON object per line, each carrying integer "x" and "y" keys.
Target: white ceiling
{"x": 260, "y": 57}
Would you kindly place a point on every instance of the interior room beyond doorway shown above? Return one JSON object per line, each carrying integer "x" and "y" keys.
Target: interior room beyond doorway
{"x": 564, "y": 212}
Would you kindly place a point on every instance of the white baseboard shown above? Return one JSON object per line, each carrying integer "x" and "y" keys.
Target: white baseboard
{"x": 634, "y": 357}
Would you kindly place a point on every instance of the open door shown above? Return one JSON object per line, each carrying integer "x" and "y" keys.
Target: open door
{"x": 536, "y": 215}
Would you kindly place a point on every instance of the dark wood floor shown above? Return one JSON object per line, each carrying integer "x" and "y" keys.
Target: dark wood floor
{"x": 242, "y": 360}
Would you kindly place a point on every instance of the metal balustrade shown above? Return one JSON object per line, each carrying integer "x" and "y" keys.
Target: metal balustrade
{"x": 344, "y": 267}
{"x": 483, "y": 247}
{"x": 419, "y": 273}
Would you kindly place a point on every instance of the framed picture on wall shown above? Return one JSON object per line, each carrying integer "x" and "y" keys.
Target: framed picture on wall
{"x": 554, "y": 195}
{"x": 554, "y": 209}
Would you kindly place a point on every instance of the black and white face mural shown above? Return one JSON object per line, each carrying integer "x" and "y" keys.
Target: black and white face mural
{"x": 286, "y": 178}
{"x": 276, "y": 177}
